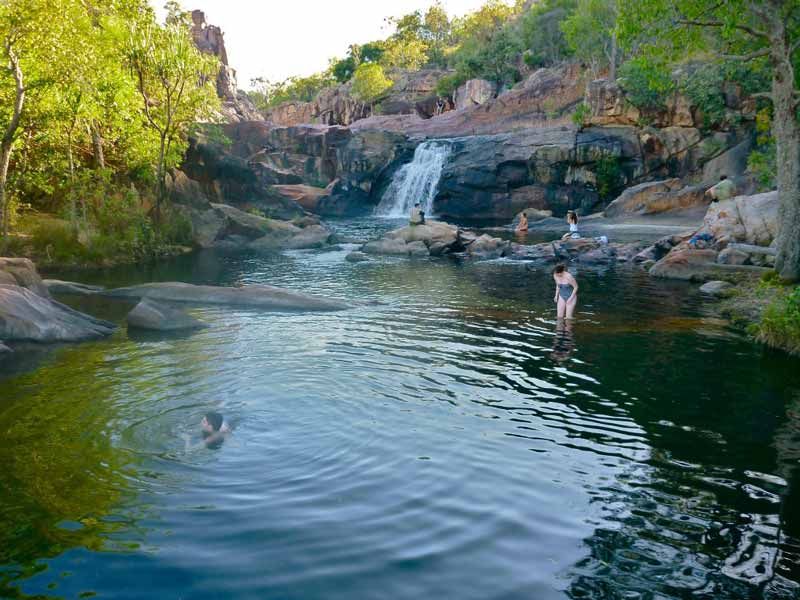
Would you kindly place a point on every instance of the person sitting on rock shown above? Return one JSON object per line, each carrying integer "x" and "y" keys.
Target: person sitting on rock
{"x": 417, "y": 215}
{"x": 572, "y": 220}
{"x": 214, "y": 430}
{"x": 522, "y": 226}
{"x": 723, "y": 190}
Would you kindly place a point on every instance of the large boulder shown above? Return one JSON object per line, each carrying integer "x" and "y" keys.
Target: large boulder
{"x": 744, "y": 219}
{"x": 256, "y": 296}
{"x": 474, "y": 92}
{"x": 657, "y": 197}
{"x": 156, "y": 316}
{"x": 686, "y": 263}
{"x": 28, "y": 316}
{"x": 290, "y": 237}
{"x": 22, "y": 272}
{"x": 307, "y": 196}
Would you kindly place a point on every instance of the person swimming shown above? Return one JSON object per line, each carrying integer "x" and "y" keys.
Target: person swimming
{"x": 522, "y": 226}
{"x": 213, "y": 429}
{"x": 566, "y": 296}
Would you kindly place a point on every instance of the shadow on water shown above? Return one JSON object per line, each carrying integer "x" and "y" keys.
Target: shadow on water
{"x": 455, "y": 441}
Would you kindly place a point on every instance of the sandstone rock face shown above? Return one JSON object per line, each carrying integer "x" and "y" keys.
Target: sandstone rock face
{"x": 156, "y": 316}
{"x": 22, "y": 272}
{"x": 547, "y": 95}
{"x": 414, "y": 93}
{"x": 475, "y": 92}
{"x": 210, "y": 40}
{"x": 28, "y": 316}
{"x": 333, "y": 106}
{"x": 608, "y": 105}
{"x": 257, "y": 296}
{"x": 656, "y": 197}
{"x": 496, "y": 177}
{"x": 744, "y": 219}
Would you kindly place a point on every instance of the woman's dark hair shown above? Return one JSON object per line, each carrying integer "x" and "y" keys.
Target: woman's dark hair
{"x": 560, "y": 269}
{"x": 572, "y": 216}
{"x": 215, "y": 420}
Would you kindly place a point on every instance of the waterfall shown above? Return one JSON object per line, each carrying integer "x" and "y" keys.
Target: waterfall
{"x": 415, "y": 182}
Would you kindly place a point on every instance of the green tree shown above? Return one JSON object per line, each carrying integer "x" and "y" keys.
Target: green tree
{"x": 437, "y": 31}
{"x": 740, "y": 30}
{"x": 176, "y": 84}
{"x": 542, "y": 34}
{"x": 591, "y": 32}
{"x": 370, "y": 83}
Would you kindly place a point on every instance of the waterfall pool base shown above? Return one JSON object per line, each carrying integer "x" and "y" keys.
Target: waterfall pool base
{"x": 446, "y": 438}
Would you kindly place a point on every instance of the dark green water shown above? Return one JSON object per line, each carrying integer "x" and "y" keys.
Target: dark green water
{"x": 451, "y": 442}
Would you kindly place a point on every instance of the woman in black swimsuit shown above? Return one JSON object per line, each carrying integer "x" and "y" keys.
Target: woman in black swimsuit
{"x": 566, "y": 297}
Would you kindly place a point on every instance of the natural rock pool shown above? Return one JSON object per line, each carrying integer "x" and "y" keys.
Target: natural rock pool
{"x": 449, "y": 441}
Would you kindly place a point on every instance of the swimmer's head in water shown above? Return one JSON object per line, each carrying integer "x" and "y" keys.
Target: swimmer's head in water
{"x": 559, "y": 269}
{"x": 212, "y": 422}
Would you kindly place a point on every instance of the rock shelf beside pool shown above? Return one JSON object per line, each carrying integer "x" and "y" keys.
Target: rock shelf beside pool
{"x": 255, "y": 296}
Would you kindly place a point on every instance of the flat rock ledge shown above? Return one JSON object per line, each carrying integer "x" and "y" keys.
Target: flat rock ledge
{"x": 27, "y": 316}
{"x": 255, "y": 296}
{"x": 156, "y": 316}
{"x": 436, "y": 238}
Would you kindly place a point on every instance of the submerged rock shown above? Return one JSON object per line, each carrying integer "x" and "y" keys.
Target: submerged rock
{"x": 25, "y": 315}
{"x": 152, "y": 315}
{"x": 256, "y": 296}
{"x": 4, "y": 349}
{"x": 357, "y": 257}
{"x": 56, "y": 286}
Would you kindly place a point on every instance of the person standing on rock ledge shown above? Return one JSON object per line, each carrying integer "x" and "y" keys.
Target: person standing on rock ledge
{"x": 723, "y": 190}
{"x": 566, "y": 297}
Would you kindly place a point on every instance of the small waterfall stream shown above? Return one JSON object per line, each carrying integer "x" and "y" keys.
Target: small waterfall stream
{"x": 415, "y": 182}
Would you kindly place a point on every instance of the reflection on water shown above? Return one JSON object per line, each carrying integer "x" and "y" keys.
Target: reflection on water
{"x": 453, "y": 440}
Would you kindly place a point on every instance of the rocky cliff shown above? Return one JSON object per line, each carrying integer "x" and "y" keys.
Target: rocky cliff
{"x": 236, "y": 106}
{"x": 514, "y": 151}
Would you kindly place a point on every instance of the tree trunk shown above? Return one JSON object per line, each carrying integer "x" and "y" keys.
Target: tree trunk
{"x": 7, "y": 142}
{"x": 612, "y": 60}
{"x": 787, "y": 142}
{"x": 97, "y": 145}
{"x": 161, "y": 193}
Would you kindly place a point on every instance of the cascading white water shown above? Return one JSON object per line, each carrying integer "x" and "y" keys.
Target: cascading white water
{"x": 415, "y": 182}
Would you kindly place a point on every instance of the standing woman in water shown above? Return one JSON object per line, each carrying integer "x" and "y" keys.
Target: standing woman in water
{"x": 566, "y": 298}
